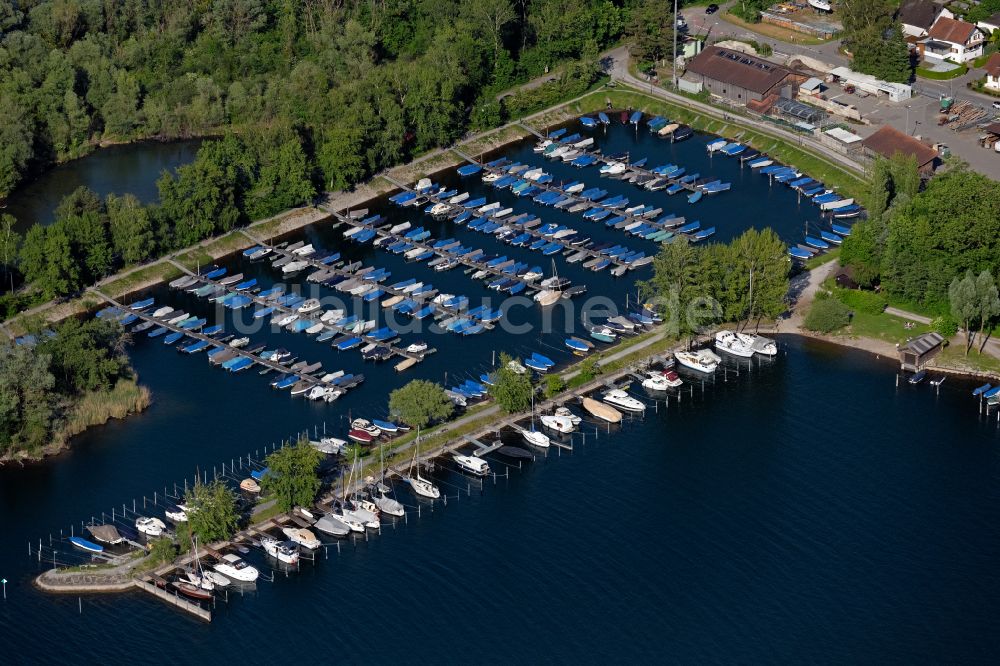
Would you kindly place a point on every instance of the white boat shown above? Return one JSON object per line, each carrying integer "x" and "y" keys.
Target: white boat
{"x": 294, "y": 266}
{"x": 533, "y": 437}
{"x": 197, "y": 580}
{"x": 423, "y": 184}
{"x": 822, "y": 5}
{"x": 315, "y": 328}
{"x": 420, "y": 485}
{"x": 153, "y": 527}
{"x": 239, "y": 342}
{"x": 661, "y": 381}
{"x": 318, "y": 392}
{"x": 332, "y": 316}
{"x": 620, "y": 398}
{"x": 399, "y": 228}
{"x": 217, "y": 579}
{"x": 697, "y": 360}
{"x": 439, "y": 209}
{"x": 162, "y": 311}
{"x": 472, "y": 464}
{"x": 232, "y": 566}
{"x": 516, "y": 367}
{"x": 302, "y": 537}
{"x": 305, "y": 250}
{"x": 310, "y": 305}
{"x": 389, "y": 506}
{"x": 283, "y": 551}
{"x": 178, "y": 515}
{"x": 540, "y": 147}
{"x": 613, "y": 169}
{"x": 759, "y": 344}
{"x": 563, "y": 424}
{"x": 491, "y": 177}
{"x": 565, "y": 413}
{"x": 727, "y": 341}
{"x": 329, "y": 445}
{"x": 286, "y": 320}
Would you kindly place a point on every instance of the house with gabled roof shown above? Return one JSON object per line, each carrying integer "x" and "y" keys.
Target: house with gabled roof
{"x": 917, "y": 16}
{"x": 954, "y": 40}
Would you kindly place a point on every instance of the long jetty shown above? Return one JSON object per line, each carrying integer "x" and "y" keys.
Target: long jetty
{"x": 337, "y": 271}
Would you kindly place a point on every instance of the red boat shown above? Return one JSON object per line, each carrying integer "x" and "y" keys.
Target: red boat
{"x": 360, "y": 436}
{"x": 192, "y": 591}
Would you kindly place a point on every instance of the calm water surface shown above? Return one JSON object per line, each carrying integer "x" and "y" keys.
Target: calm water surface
{"x": 805, "y": 510}
{"x": 126, "y": 169}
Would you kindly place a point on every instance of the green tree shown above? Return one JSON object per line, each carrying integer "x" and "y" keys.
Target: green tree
{"x": 651, "y": 30}
{"x": 10, "y": 244}
{"x": 59, "y": 273}
{"x": 86, "y": 355}
{"x": 213, "y": 516}
{"x": 554, "y": 385}
{"x": 291, "y": 475}
{"x": 131, "y": 228}
{"x": 27, "y": 402}
{"x": 511, "y": 390}
{"x": 988, "y": 303}
{"x": 964, "y": 304}
{"x": 420, "y": 403}
{"x": 827, "y": 315}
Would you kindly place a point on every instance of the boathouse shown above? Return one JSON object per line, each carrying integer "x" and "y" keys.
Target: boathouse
{"x": 740, "y": 78}
{"x": 919, "y": 351}
{"x": 888, "y": 141}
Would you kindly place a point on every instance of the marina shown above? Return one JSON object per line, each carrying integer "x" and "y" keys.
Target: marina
{"x": 544, "y": 491}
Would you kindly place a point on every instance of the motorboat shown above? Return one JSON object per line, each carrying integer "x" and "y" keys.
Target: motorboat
{"x": 661, "y": 381}
{"x": 620, "y": 398}
{"x": 329, "y": 445}
{"x": 239, "y": 342}
{"x": 286, "y": 552}
{"x": 417, "y": 347}
{"x": 565, "y": 413}
{"x": 310, "y": 305}
{"x": 301, "y": 537}
{"x": 759, "y": 344}
{"x": 548, "y": 297}
{"x": 727, "y": 341}
{"x": 602, "y": 411}
{"x": 536, "y": 438}
{"x": 516, "y": 367}
{"x": 286, "y": 320}
{"x": 563, "y": 424}
{"x": 697, "y": 360}
{"x": 250, "y": 486}
{"x": 177, "y": 515}
{"x": 366, "y": 426}
{"x": 217, "y": 579}
{"x": 153, "y": 527}
{"x": 472, "y": 464}
{"x": 232, "y": 566}
{"x": 360, "y": 436}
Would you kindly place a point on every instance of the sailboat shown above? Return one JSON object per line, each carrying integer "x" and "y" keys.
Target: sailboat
{"x": 421, "y": 486}
{"x": 535, "y": 437}
{"x": 385, "y": 504}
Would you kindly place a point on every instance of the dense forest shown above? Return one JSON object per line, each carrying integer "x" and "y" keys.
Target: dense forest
{"x": 68, "y": 380}
{"x": 916, "y": 242}
{"x": 363, "y": 82}
{"x": 307, "y": 96}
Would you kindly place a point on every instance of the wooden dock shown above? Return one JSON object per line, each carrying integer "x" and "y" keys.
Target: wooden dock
{"x": 174, "y": 599}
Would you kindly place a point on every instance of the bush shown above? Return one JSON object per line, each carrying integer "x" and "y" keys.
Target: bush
{"x": 827, "y": 315}
{"x": 945, "y": 325}
{"x": 554, "y": 385}
{"x": 868, "y": 302}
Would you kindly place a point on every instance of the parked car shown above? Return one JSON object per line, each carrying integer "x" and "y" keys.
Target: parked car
{"x": 712, "y": 8}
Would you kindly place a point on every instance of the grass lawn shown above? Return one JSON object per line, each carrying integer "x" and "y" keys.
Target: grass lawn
{"x": 883, "y": 327}
{"x": 941, "y": 76}
{"x": 820, "y": 259}
{"x": 774, "y": 31}
{"x": 953, "y": 356}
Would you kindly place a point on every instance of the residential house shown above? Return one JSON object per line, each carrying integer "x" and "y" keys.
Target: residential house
{"x": 888, "y": 141}
{"x": 954, "y": 40}
{"x": 990, "y": 25}
{"x": 992, "y": 68}
{"x": 917, "y": 16}
{"x": 740, "y": 78}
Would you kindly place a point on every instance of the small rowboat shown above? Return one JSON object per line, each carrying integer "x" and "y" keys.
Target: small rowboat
{"x": 82, "y": 543}
{"x": 250, "y": 486}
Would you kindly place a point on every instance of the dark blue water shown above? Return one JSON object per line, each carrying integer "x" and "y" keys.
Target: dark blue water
{"x": 126, "y": 169}
{"x": 807, "y": 509}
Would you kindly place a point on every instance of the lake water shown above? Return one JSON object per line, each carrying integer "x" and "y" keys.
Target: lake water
{"x": 807, "y": 509}
{"x": 131, "y": 168}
